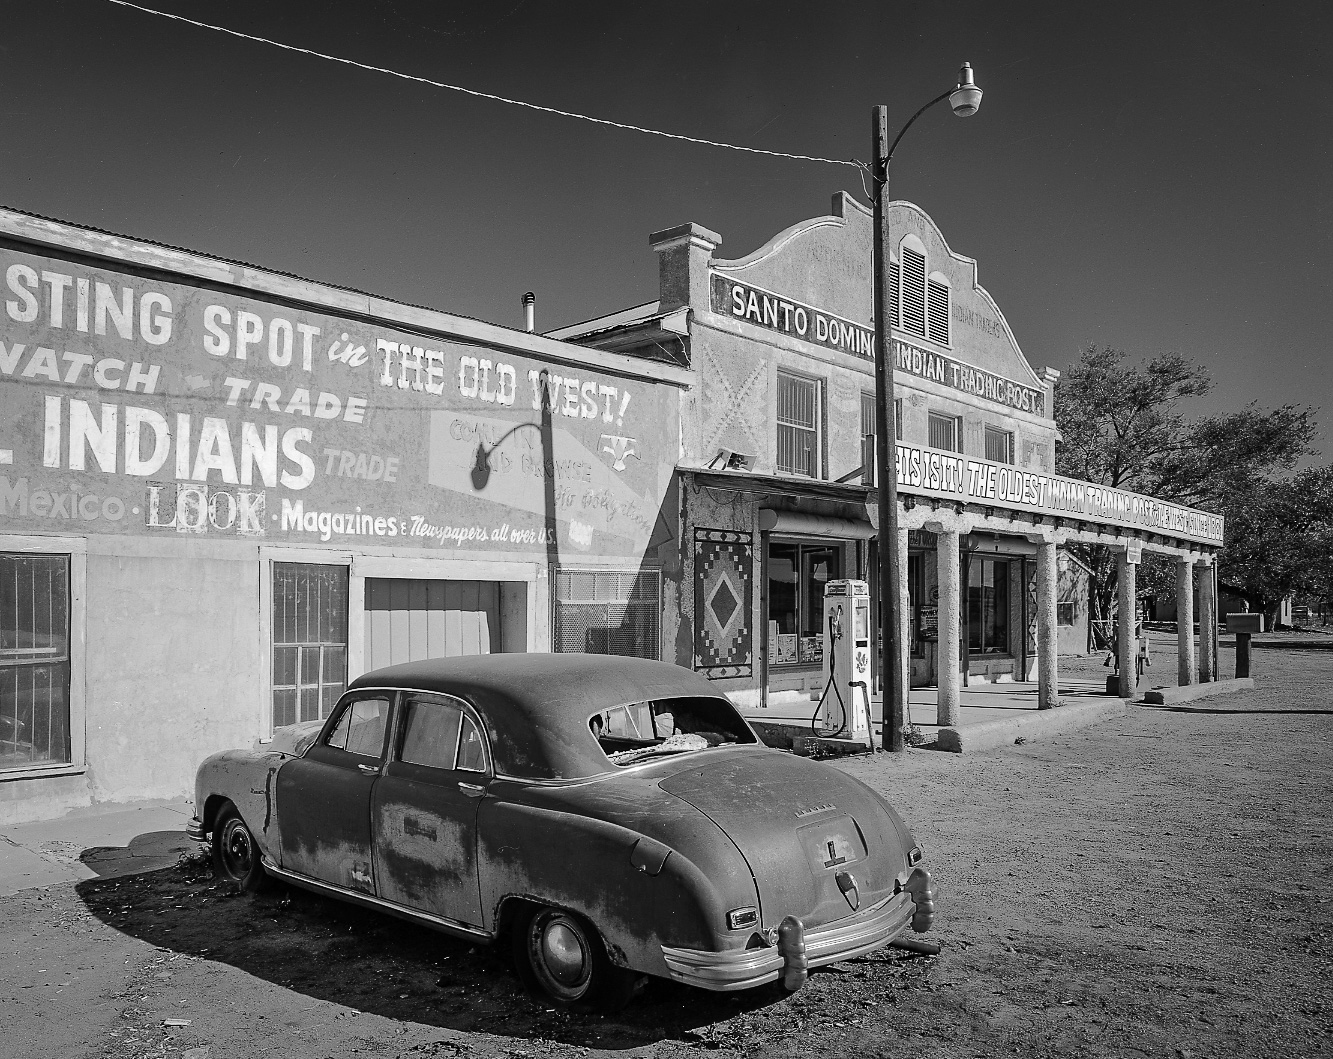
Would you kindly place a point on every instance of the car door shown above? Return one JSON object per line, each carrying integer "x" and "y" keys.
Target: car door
{"x": 324, "y": 797}
{"x": 424, "y": 809}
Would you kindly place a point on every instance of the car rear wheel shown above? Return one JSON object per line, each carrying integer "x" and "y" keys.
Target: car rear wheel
{"x": 560, "y": 957}
{"x": 236, "y": 855}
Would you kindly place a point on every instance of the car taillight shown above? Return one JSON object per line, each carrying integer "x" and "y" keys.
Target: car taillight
{"x": 740, "y": 918}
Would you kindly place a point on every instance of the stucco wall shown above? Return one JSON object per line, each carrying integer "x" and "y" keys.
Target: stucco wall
{"x": 172, "y": 669}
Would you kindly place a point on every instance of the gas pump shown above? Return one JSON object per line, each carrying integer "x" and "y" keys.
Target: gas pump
{"x": 844, "y": 708}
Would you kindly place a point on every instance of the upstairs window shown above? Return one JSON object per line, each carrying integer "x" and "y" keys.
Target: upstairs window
{"x": 919, "y": 301}
{"x": 945, "y": 432}
{"x": 798, "y": 425}
{"x": 868, "y": 432}
{"x": 999, "y": 445}
{"x": 913, "y": 310}
{"x": 937, "y": 298}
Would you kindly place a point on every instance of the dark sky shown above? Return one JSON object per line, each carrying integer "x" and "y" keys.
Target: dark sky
{"x": 1151, "y": 176}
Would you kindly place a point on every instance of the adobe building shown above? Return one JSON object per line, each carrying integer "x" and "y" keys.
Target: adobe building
{"x": 777, "y": 461}
{"x": 225, "y": 492}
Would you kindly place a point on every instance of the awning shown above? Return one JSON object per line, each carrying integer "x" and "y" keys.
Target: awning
{"x": 799, "y": 524}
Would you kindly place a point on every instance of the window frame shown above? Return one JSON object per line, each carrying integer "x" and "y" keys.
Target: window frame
{"x": 990, "y": 431}
{"x": 957, "y": 429}
{"x": 817, "y": 430}
{"x": 802, "y": 545}
{"x": 561, "y": 597}
{"x": 76, "y": 550}
{"x": 394, "y": 763}
{"x": 271, "y": 574}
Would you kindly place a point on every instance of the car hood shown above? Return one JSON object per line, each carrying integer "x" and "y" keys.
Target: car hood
{"x": 799, "y": 825}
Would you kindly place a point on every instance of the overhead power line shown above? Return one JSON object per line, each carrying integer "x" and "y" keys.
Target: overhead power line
{"x": 481, "y": 95}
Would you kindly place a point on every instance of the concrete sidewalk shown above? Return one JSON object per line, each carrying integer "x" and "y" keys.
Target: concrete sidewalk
{"x": 100, "y": 841}
{"x": 990, "y": 715}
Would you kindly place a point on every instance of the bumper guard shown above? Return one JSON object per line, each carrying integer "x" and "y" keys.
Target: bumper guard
{"x": 746, "y": 968}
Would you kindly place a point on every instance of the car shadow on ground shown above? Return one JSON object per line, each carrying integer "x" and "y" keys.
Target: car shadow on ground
{"x": 372, "y": 963}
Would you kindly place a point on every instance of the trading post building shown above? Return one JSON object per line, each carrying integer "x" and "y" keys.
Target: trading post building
{"x": 776, "y": 476}
{"x": 225, "y": 492}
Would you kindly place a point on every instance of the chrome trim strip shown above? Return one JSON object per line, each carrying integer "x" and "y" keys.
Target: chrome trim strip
{"x": 745, "y": 968}
{"x": 453, "y": 926}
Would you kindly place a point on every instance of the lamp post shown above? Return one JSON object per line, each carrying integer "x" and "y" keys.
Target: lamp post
{"x": 964, "y": 98}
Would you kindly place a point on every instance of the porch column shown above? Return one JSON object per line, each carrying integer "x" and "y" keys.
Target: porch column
{"x": 1207, "y": 623}
{"x": 1048, "y": 660}
{"x": 904, "y": 629}
{"x": 1185, "y": 660}
{"x": 947, "y": 568}
{"x": 1126, "y": 642}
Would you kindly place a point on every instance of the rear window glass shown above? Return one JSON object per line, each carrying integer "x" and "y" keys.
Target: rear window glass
{"x": 640, "y": 730}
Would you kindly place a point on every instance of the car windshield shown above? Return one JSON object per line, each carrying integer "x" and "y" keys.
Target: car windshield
{"x": 628, "y": 734}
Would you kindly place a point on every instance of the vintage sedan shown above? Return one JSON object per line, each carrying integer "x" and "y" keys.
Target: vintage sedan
{"x": 608, "y": 818}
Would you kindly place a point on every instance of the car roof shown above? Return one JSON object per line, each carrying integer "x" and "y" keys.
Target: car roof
{"x": 536, "y": 706}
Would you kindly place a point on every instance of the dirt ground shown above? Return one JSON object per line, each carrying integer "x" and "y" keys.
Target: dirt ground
{"x": 1158, "y": 885}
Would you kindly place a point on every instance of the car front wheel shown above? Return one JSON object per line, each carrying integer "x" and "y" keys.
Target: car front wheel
{"x": 559, "y": 955}
{"x": 236, "y": 855}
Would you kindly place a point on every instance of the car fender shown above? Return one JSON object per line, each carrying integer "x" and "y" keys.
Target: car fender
{"x": 637, "y": 892}
{"x": 247, "y": 779}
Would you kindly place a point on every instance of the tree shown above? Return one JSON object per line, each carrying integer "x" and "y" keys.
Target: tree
{"x": 1121, "y": 425}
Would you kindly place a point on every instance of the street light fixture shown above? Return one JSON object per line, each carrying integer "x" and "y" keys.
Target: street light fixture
{"x": 965, "y": 99}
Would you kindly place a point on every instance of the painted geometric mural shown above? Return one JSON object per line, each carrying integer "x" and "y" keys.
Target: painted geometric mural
{"x": 723, "y": 639}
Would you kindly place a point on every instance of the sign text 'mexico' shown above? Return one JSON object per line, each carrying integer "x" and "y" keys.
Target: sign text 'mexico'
{"x": 762, "y": 308}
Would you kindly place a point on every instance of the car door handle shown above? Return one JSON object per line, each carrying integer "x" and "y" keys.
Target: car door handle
{"x": 371, "y": 769}
{"x": 472, "y": 790}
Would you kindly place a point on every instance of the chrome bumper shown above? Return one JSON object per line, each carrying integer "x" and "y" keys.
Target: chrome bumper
{"x": 195, "y": 830}
{"x": 746, "y": 968}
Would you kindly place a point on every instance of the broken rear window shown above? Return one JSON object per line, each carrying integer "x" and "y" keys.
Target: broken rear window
{"x": 641, "y": 730}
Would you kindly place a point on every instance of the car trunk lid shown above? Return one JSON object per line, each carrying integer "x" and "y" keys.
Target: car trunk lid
{"x": 799, "y": 827}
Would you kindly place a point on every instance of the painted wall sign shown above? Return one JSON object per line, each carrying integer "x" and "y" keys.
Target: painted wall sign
{"x": 959, "y": 376}
{"x": 975, "y": 481}
{"x": 130, "y": 405}
{"x": 763, "y": 308}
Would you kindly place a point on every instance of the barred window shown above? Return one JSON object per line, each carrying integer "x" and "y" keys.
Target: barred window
{"x": 999, "y": 445}
{"x": 798, "y": 425}
{"x": 34, "y": 660}
{"x": 868, "y": 432}
{"x": 945, "y": 432}
{"x": 309, "y": 640}
{"x": 609, "y": 612}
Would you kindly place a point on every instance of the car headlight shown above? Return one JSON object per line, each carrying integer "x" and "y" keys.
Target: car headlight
{"x": 914, "y": 856}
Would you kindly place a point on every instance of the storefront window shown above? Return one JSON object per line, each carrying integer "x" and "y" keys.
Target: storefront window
{"x": 34, "y": 660}
{"x": 797, "y": 574}
{"x": 988, "y": 606}
{"x": 309, "y": 640}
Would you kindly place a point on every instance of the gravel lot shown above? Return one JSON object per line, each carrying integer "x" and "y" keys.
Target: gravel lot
{"x": 1157, "y": 885}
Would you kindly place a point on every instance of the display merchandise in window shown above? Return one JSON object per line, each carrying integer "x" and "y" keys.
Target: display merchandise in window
{"x": 797, "y": 574}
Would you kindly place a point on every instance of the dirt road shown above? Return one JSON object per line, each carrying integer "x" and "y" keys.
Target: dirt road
{"x": 1158, "y": 885}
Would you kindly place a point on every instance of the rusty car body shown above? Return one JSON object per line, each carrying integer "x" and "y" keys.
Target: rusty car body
{"x": 611, "y": 817}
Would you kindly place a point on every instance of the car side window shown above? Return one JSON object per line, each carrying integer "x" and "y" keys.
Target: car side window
{"x": 471, "y": 748}
{"x": 360, "y": 730}
{"x": 430, "y": 734}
